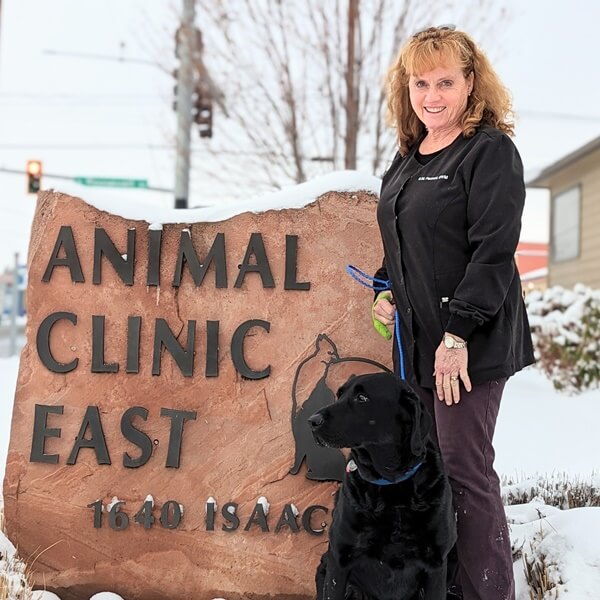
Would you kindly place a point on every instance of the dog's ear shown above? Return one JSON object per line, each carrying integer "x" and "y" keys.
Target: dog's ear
{"x": 422, "y": 422}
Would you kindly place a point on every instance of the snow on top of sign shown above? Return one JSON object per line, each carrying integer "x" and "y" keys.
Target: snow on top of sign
{"x": 295, "y": 196}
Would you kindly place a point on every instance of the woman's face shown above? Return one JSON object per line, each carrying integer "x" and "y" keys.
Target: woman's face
{"x": 439, "y": 97}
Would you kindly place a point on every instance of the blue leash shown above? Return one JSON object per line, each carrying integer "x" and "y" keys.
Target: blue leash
{"x": 380, "y": 285}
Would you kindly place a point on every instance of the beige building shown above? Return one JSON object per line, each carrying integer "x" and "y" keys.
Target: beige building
{"x": 574, "y": 184}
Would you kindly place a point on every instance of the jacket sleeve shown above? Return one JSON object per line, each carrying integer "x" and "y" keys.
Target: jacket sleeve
{"x": 495, "y": 200}
{"x": 380, "y": 274}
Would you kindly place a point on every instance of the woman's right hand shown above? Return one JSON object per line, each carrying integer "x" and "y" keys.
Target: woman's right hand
{"x": 383, "y": 313}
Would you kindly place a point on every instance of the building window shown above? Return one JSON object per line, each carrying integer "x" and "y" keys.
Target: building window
{"x": 566, "y": 224}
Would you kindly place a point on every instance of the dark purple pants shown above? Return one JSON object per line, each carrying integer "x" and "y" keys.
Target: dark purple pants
{"x": 464, "y": 433}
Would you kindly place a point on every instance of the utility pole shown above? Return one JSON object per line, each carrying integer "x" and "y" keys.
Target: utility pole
{"x": 0, "y": 23}
{"x": 185, "y": 38}
{"x": 351, "y": 91}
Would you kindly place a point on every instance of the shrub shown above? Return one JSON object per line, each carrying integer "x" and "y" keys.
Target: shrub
{"x": 541, "y": 553}
{"x": 15, "y": 581}
{"x": 541, "y": 575}
{"x": 557, "y": 490}
{"x": 565, "y": 327}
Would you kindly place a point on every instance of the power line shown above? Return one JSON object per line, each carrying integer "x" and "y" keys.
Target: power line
{"x": 49, "y": 104}
{"x": 124, "y": 146}
{"x": 30, "y": 94}
{"x": 555, "y": 115}
{"x": 121, "y": 59}
{"x": 198, "y": 149}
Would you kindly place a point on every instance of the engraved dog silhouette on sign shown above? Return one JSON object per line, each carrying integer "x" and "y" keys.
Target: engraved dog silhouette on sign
{"x": 330, "y": 371}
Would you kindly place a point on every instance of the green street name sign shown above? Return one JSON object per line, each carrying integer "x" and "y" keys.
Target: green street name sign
{"x": 112, "y": 182}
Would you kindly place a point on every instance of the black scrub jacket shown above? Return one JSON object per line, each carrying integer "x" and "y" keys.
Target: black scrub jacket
{"x": 450, "y": 229}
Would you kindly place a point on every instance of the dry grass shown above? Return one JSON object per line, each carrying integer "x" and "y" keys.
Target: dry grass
{"x": 541, "y": 575}
{"x": 538, "y": 576}
{"x": 14, "y": 582}
{"x": 559, "y": 490}
{"x": 15, "y": 575}
{"x": 554, "y": 490}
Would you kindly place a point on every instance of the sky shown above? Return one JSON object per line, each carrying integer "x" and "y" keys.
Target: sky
{"x": 105, "y": 118}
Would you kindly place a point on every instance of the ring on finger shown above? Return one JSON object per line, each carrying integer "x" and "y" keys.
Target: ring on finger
{"x": 454, "y": 378}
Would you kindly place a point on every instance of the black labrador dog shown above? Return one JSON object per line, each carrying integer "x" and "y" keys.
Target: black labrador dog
{"x": 393, "y": 523}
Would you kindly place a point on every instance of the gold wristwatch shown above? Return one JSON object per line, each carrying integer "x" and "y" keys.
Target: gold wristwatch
{"x": 452, "y": 343}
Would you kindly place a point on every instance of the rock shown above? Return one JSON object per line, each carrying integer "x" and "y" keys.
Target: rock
{"x": 275, "y": 327}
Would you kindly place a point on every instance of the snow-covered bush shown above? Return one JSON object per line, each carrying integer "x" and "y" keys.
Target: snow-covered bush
{"x": 541, "y": 574}
{"x": 565, "y": 326}
{"x": 550, "y": 519}
{"x": 558, "y": 489}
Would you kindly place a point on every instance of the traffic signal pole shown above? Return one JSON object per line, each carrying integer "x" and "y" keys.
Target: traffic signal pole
{"x": 185, "y": 84}
{"x": 0, "y": 23}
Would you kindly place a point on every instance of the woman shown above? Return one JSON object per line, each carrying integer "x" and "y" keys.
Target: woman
{"x": 450, "y": 217}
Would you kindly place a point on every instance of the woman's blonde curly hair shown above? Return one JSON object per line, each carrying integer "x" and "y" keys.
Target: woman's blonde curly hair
{"x": 488, "y": 104}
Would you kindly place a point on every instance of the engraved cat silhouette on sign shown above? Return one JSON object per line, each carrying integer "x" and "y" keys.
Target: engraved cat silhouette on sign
{"x": 317, "y": 378}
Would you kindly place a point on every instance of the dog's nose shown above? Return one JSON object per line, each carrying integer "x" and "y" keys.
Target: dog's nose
{"x": 316, "y": 420}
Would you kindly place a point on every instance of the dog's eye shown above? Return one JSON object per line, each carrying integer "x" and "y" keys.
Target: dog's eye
{"x": 362, "y": 398}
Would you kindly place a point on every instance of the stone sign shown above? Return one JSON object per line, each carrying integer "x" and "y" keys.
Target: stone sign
{"x": 159, "y": 444}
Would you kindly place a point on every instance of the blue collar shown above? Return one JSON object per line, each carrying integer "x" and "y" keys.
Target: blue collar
{"x": 352, "y": 466}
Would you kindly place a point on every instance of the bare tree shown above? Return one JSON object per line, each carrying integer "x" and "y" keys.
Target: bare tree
{"x": 299, "y": 83}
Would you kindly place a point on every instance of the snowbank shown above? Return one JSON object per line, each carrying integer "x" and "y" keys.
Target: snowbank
{"x": 563, "y": 540}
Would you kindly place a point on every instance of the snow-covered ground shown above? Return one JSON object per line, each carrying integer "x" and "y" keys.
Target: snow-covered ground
{"x": 539, "y": 432}
{"x": 9, "y": 368}
{"x": 568, "y": 541}
{"x": 542, "y": 431}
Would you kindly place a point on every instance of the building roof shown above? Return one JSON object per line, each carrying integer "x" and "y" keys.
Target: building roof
{"x": 535, "y": 274}
{"x": 541, "y": 179}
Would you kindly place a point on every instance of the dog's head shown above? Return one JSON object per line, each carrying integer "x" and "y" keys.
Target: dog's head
{"x": 379, "y": 413}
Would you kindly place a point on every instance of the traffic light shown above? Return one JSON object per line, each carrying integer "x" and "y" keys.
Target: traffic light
{"x": 203, "y": 117}
{"x": 202, "y": 111}
{"x": 34, "y": 176}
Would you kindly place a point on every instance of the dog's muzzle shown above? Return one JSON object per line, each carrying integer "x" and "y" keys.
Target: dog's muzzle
{"x": 316, "y": 421}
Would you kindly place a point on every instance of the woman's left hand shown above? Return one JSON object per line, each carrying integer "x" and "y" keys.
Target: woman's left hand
{"x": 449, "y": 368}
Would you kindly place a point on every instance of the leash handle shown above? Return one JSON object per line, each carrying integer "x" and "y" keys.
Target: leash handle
{"x": 380, "y": 285}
